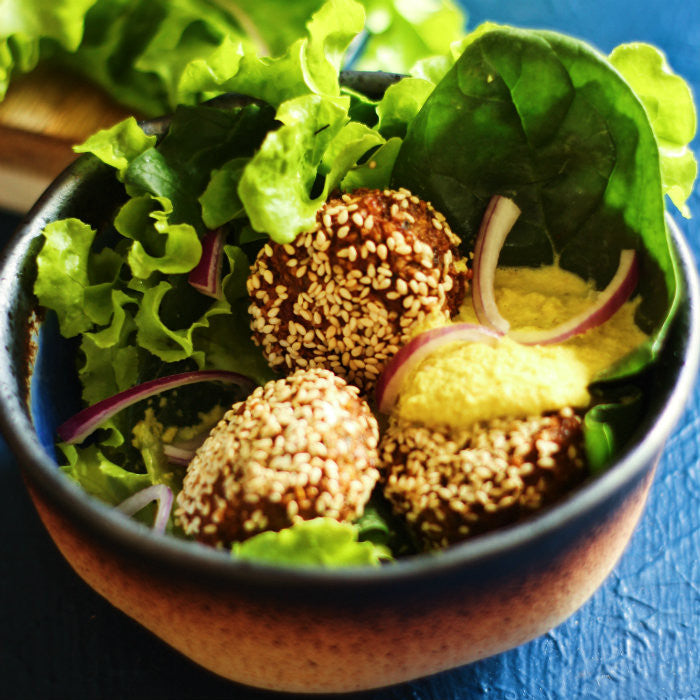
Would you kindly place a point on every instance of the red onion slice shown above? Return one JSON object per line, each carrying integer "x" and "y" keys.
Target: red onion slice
{"x": 178, "y": 455}
{"x": 157, "y": 492}
{"x": 77, "y": 428}
{"x": 501, "y": 213}
{"x": 417, "y": 349}
{"x": 499, "y": 218}
{"x": 206, "y": 276}
{"x": 609, "y": 301}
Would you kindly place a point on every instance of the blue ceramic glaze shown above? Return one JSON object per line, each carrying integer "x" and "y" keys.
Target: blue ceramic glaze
{"x": 54, "y": 397}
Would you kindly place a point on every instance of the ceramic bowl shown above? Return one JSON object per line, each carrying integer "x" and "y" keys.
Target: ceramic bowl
{"x": 317, "y": 630}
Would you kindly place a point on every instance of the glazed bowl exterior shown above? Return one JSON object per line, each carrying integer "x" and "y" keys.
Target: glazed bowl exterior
{"x": 313, "y": 630}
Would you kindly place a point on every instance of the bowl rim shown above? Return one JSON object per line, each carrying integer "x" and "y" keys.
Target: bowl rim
{"x": 136, "y": 539}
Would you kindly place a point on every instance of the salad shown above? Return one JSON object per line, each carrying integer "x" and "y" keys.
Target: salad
{"x": 295, "y": 335}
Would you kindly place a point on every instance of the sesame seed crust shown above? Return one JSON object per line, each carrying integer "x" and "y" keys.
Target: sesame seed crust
{"x": 297, "y": 448}
{"x": 452, "y": 484}
{"x": 345, "y": 294}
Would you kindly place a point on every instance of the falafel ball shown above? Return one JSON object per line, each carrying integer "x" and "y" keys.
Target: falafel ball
{"x": 297, "y": 448}
{"x": 345, "y": 295}
{"x": 451, "y": 484}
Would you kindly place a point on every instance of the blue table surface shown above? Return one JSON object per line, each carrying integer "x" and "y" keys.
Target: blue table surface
{"x": 637, "y": 637}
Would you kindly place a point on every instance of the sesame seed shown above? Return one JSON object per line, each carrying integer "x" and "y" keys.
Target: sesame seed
{"x": 475, "y": 473}
{"x": 365, "y": 266}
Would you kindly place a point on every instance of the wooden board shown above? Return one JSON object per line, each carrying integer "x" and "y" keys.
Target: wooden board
{"x": 43, "y": 115}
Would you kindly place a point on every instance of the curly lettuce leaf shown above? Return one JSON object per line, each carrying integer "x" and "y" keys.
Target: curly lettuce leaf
{"x": 349, "y": 146}
{"x": 155, "y": 334}
{"x": 63, "y": 282}
{"x": 299, "y": 164}
{"x": 669, "y": 104}
{"x": 276, "y": 186}
{"x": 118, "y": 145}
{"x": 374, "y": 173}
{"x": 136, "y": 50}
{"x": 222, "y": 341}
{"x": 321, "y": 541}
{"x": 272, "y": 38}
{"x": 331, "y": 30}
{"x": 188, "y": 30}
{"x": 399, "y": 33}
{"x": 310, "y": 64}
{"x": 116, "y": 33}
{"x": 158, "y": 245}
{"x": 111, "y": 362}
{"x": 25, "y": 24}
{"x": 154, "y": 54}
{"x": 396, "y": 33}
{"x": 175, "y": 323}
{"x": 104, "y": 268}
{"x": 99, "y": 476}
{"x": 106, "y": 371}
{"x": 400, "y": 104}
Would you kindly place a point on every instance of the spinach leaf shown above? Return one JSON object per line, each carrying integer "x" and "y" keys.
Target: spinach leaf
{"x": 608, "y": 426}
{"x": 546, "y": 120}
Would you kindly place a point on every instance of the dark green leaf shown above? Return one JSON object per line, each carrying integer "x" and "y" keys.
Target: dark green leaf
{"x": 608, "y": 426}
{"x": 220, "y": 201}
{"x": 546, "y": 120}
{"x": 200, "y": 139}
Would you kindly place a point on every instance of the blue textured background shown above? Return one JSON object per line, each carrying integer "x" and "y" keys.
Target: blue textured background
{"x": 638, "y": 637}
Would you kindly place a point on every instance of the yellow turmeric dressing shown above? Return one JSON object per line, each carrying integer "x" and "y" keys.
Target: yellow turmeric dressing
{"x": 463, "y": 383}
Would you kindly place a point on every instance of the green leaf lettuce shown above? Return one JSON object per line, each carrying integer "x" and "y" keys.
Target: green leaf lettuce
{"x": 62, "y": 274}
{"x": 276, "y": 186}
{"x": 669, "y": 104}
{"x": 321, "y": 541}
